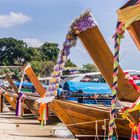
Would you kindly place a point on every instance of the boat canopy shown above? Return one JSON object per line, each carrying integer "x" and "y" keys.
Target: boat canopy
{"x": 27, "y": 84}
{"x": 87, "y": 87}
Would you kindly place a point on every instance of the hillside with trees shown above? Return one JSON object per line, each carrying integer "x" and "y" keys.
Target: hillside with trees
{"x": 15, "y": 52}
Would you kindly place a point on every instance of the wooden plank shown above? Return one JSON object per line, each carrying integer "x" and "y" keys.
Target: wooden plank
{"x": 32, "y": 76}
{"x": 134, "y": 28}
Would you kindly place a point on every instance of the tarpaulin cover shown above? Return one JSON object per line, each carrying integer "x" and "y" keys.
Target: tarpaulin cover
{"x": 87, "y": 87}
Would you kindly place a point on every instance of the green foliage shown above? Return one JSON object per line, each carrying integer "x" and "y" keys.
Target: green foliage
{"x": 16, "y": 74}
{"x": 3, "y": 71}
{"x": 49, "y": 51}
{"x": 90, "y": 67}
{"x": 43, "y": 68}
{"x": 69, "y": 63}
{"x": 47, "y": 68}
{"x": 16, "y": 52}
{"x": 12, "y": 51}
{"x": 37, "y": 66}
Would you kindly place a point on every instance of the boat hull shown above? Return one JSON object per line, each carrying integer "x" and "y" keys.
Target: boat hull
{"x": 86, "y": 122}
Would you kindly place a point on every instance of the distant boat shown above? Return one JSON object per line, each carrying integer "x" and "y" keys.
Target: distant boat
{"x": 87, "y": 92}
{"x": 91, "y": 88}
{"x": 27, "y": 86}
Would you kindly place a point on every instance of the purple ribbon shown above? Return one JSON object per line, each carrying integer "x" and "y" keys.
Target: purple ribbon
{"x": 19, "y": 103}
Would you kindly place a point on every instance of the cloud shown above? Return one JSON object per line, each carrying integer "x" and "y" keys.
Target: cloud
{"x": 13, "y": 19}
{"x": 33, "y": 42}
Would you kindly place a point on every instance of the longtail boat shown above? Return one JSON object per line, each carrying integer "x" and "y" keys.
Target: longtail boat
{"x": 29, "y": 101}
{"x": 11, "y": 97}
{"x": 99, "y": 51}
{"x": 86, "y": 122}
{"x": 77, "y": 117}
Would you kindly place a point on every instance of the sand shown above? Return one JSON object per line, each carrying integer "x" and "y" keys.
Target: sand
{"x": 13, "y": 128}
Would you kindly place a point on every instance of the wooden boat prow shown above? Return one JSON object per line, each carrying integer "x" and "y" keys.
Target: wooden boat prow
{"x": 134, "y": 28}
{"x": 32, "y": 76}
{"x": 95, "y": 44}
{"x": 30, "y": 106}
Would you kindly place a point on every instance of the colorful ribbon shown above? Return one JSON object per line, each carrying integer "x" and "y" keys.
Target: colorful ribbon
{"x": 121, "y": 27}
{"x": 44, "y": 113}
{"x": 118, "y": 36}
{"x": 132, "y": 82}
{"x": 135, "y": 133}
{"x": 19, "y": 104}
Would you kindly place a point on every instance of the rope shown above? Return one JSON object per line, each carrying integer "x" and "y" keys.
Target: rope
{"x": 122, "y": 25}
{"x": 116, "y": 132}
{"x": 56, "y": 76}
{"x": 74, "y": 124}
{"x": 118, "y": 37}
{"x": 96, "y": 128}
{"x": 80, "y": 24}
{"x": 104, "y": 127}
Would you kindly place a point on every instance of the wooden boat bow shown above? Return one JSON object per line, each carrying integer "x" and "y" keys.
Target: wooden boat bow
{"x": 85, "y": 27}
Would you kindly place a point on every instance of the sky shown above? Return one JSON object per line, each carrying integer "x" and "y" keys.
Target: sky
{"x": 37, "y": 21}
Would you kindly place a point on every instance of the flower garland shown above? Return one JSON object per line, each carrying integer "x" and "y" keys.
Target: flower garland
{"x": 57, "y": 73}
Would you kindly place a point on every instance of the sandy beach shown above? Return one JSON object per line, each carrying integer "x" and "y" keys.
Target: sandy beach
{"x": 27, "y": 128}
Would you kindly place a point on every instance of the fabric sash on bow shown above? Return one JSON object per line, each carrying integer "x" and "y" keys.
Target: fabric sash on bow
{"x": 19, "y": 103}
{"x": 44, "y": 113}
{"x": 44, "y": 109}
